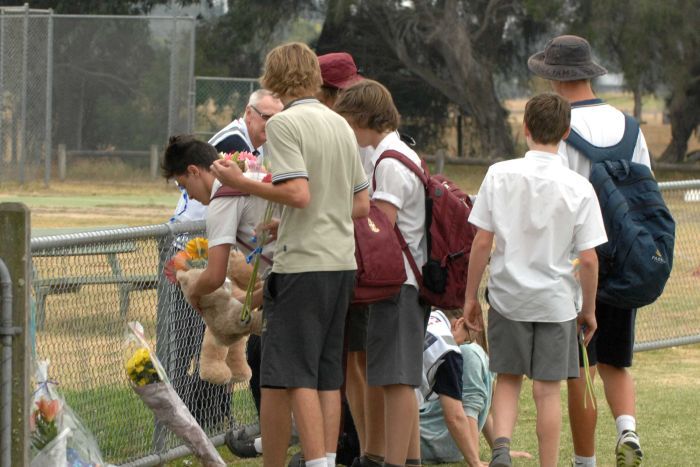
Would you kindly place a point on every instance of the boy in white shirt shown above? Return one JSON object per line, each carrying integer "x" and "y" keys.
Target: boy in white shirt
{"x": 538, "y": 212}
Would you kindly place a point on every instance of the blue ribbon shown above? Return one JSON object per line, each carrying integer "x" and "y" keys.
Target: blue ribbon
{"x": 45, "y": 385}
{"x": 251, "y": 256}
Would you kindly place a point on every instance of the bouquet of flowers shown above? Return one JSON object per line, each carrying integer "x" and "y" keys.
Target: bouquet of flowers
{"x": 194, "y": 256}
{"x": 254, "y": 257}
{"x": 57, "y": 435}
{"x": 150, "y": 382}
{"x": 249, "y": 164}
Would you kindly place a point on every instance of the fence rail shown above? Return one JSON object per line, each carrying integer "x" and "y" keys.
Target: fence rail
{"x": 85, "y": 312}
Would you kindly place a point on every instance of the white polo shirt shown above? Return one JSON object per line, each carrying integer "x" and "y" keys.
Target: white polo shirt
{"x": 398, "y": 185}
{"x": 601, "y": 125}
{"x": 540, "y": 212}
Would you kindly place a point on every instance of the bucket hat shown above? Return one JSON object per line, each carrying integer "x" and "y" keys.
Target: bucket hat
{"x": 565, "y": 58}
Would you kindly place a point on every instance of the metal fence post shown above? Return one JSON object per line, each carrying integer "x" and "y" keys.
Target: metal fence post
{"x": 154, "y": 161}
{"x": 61, "y": 162}
{"x": 49, "y": 96}
{"x": 16, "y": 256}
{"x": 22, "y": 149}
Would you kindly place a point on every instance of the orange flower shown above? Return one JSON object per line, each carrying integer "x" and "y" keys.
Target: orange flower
{"x": 180, "y": 261}
{"x": 47, "y": 409}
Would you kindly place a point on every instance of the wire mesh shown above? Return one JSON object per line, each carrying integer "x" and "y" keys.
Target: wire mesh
{"x": 91, "y": 83}
{"x": 86, "y": 287}
{"x": 218, "y": 101}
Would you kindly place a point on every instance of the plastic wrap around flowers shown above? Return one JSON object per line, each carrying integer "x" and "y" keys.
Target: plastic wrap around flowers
{"x": 194, "y": 256}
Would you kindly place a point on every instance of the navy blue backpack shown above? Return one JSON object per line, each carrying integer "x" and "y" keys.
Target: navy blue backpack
{"x": 636, "y": 262}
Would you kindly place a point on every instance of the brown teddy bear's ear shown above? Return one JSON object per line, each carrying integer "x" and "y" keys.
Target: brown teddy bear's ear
{"x": 182, "y": 277}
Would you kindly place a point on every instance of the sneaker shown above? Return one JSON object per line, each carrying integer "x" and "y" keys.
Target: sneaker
{"x": 244, "y": 448}
{"x": 628, "y": 452}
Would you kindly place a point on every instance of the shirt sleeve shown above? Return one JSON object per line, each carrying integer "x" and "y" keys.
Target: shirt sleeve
{"x": 448, "y": 377}
{"x": 481, "y": 214}
{"x": 641, "y": 151}
{"x": 589, "y": 231}
{"x": 232, "y": 143}
{"x": 474, "y": 389}
{"x": 284, "y": 151}
{"x": 222, "y": 220}
{"x": 394, "y": 182}
{"x": 359, "y": 178}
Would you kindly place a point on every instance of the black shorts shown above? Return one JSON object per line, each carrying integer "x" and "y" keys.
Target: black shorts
{"x": 613, "y": 341}
{"x": 356, "y": 328}
{"x": 303, "y": 325}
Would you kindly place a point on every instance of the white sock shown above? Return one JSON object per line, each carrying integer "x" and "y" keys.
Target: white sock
{"x": 257, "y": 444}
{"x": 584, "y": 461}
{"x": 330, "y": 458}
{"x": 625, "y": 422}
{"x": 320, "y": 462}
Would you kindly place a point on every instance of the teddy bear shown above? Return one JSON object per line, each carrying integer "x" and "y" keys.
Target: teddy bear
{"x": 222, "y": 357}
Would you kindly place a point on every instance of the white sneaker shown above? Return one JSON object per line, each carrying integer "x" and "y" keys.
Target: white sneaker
{"x": 628, "y": 452}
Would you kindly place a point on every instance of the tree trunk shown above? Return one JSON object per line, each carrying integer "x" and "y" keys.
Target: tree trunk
{"x": 637, "y": 92}
{"x": 684, "y": 111}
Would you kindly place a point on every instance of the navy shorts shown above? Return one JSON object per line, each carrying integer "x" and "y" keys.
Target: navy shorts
{"x": 613, "y": 341}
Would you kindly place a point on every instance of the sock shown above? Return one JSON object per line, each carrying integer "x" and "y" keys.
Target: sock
{"x": 320, "y": 462}
{"x": 625, "y": 422}
{"x": 501, "y": 443}
{"x": 413, "y": 462}
{"x": 391, "y": 465}
{"x": 330, "y": 458}
{"x": 373, "y": 460}
{"x": 257, "y": 444}
{"x": 584, "y": 461}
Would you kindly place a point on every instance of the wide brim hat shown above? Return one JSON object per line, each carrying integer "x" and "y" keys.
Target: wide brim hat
{"x": 338, "y": 70}
{"x": 565, "y": 58}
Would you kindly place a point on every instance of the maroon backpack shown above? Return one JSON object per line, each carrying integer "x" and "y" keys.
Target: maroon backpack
{"x": 380, "y": 268}
{"x": 443, "y": 278}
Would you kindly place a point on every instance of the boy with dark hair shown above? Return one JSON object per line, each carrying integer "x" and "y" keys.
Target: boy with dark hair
{"x": 396, "y": 327}
{"x": 538, "y": 212}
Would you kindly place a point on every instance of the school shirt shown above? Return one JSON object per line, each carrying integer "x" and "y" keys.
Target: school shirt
{"x": 601, "y": 125}
{"x": 442, "y": 361}
{"x": 398, "y": 185}
{"x": 308, "y": 140}
{"x": 436, "y": 443}
{"x": 540, "y": 211}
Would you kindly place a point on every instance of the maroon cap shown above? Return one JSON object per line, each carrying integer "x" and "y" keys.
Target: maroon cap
{"x": 338, "y": 70}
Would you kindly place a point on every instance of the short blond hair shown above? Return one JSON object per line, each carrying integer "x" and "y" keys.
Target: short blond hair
{"x": 368, "y": 104}
{"x": 292, "y": 70}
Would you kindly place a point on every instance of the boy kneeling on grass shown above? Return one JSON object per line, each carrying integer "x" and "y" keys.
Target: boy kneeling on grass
{"x": 539, "y": 213}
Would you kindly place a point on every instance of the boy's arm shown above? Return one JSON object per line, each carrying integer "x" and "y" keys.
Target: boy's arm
{"x": 463, "y": 429}
{"x": 588, "y": 275}
{"x": 214, "y": 275}
{"x": 478, "y": 259}
{"x": 388, "y": 209}
{"x": 293, "y": 192}
{"x": 360, "y": 204}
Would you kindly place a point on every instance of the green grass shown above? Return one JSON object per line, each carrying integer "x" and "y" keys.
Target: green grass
{"x": 666, "y": 384}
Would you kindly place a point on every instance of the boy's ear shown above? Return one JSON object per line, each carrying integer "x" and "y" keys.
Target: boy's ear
{"x": 566, "y": 134}
{"x": 192, "y": 170}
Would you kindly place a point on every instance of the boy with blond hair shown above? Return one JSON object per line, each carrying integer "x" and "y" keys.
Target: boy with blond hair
{"x": 318, "y": 178}
{"x": 396, "y": 327}
{"x": 538, "y": 212}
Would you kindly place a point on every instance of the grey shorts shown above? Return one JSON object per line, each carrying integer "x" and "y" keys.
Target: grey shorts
{"x": 395, "y": 335}
{"x": 356, "y": 328}
{"x": 303, "y": 326}
{"x": 541, "y": 351}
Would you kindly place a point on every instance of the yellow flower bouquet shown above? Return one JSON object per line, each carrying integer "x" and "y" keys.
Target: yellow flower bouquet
{"x": 150, "y": 382}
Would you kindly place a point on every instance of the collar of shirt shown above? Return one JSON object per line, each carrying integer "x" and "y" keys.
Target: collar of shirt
{"x": 545, "y": 157}
{"x": 302, "y": 100}
{"x": 587, "y": 102}
{"x": 389, "y": 141}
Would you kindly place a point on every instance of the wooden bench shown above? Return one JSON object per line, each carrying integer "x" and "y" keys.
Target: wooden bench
{"x": 126, "y": 283}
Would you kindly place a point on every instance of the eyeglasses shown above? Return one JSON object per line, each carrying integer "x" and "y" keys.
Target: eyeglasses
{"x": 265, "y": 117}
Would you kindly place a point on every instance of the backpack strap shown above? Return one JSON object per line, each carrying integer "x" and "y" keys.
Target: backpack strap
{"x": 226, "y": 191}
{"x": 624, "y": 150}
{"x": 423, "y": 177}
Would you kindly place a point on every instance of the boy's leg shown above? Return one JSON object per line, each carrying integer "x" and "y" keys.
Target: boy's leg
{"x": 356, "y": 371}
{"x": 374, "y": 422}
{"x": 275, "y": 425}
{"x": 330, "y": 410}
{"x": 548, "y": 403}
{"x": 401, "y": 408}
{"x": 308, "y": 417}
{"x": 505, "y": 404}
{"x": 619, "y": 389}
{"x": 582, "y": 420}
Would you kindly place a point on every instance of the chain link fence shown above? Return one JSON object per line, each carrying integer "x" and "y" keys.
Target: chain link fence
{"x": 218, "y": 101}
{"x": 87, "y": 286}
{"x": 100, "y": 86}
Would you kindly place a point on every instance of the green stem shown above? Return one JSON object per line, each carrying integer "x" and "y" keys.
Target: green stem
{"x": 248, "y": 303}
{"x": 589, "y": 382}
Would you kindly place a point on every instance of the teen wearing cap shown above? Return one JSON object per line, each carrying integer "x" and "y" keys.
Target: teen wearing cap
{"x": 566, "y": 62}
